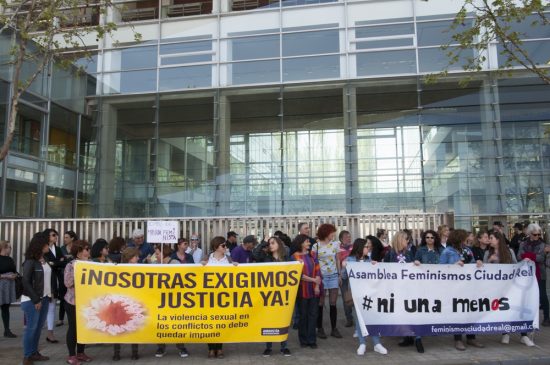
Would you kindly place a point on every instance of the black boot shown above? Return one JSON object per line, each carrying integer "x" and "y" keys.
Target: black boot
{"x": 419, "y": 347}
{"x": 407, "y": 341}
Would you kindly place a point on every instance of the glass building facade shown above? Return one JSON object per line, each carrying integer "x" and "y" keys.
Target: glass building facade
{"x": 260, "y": 107}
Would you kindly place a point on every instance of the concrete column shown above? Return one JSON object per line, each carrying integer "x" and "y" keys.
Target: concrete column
{"x": 105, "y": 178}
{"x": 222, "y": 136}
{"x": 353, "y": 202}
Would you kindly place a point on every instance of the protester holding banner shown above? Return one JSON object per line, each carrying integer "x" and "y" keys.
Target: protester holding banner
{"x": 327, "y": 252}
{"x": 534, "y": 249}
{"x": 165, "y": 255}
{"x": 80, "y": 250}
{"x": 309, "y": 291}
{"x": 430, "y": 248}
{"x": 500, "y": 253}
{"x": 362, "y": 251}
{"x": 456, "y": 252}
{"x": 401, "y": 254}
{"x": 37, "y": 294}
{"x": 130, "y": 255}
{"x": 274, "y": 250}
{"x": 217, "y": 257}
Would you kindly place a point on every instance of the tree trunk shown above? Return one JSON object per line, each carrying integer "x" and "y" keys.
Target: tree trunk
{"x": 11, "y": 128}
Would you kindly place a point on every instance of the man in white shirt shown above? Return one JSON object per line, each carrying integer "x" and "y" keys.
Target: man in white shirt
{"x": 194, "y": 248}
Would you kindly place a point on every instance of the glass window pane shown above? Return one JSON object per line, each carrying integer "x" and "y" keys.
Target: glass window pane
{"x": 130, "y": 82}
{"x": 311, "y": 68}
{"x": 255, "y": 47}
{"x": 436, "y": 59}
{"x": 131, "y": 58}
{"x": 180, "y": 60}
{"x": 297, "y": 44}
{"x": 388, "y": 62}
{"x": 538, "y": 51}
{"x": 256, "y": 72}
{"x": 437, "y": 33}
{"x": 185, "y": 47}
{"x": 185, "y": 77}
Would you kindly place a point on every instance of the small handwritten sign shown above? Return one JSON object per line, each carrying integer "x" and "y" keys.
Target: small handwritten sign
{"x": 162, "y": 231}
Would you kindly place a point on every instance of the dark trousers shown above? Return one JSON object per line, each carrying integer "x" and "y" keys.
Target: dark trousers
{"x": 543, "y": 298}
{"x": 215, "y": 346}
{"x": 116, "y": 348}
{"x": 71, "y": 331}
{"x": 309, "y": 309}
{"x": 6, "y": 317}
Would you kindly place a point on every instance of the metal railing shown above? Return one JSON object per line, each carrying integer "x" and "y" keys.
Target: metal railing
{"x": 20, "y": 231}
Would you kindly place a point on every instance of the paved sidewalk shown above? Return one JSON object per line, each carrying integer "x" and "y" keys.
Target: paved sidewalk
{"x": 439, "y": 350}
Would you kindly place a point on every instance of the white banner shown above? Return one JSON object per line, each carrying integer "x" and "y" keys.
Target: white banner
{"x": 393, "y": 299}
{"x": 162, "y": 231}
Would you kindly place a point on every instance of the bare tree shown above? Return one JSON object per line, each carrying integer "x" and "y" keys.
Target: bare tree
{"x": 480, "y": 23}
{"x": 44, "y": 32}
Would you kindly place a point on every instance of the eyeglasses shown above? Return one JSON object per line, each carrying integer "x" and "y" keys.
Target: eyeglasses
{"x": 536, "y": 234}
{"x": 429, "y": 237}
{"x": 194, "y": 239}
{"x": 222, "y": 245}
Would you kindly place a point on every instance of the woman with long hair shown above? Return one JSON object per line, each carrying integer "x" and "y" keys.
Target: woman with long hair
{"x": 500, "y": 253}
{"x": 80, "y": 250}
{"x": 37, "y": 294}
{"x": 400, "y": 253}
{"x": 218, "y": 256}
{"x": 458, "y": 253}
{"x": 274, "y": 250}
{"x": 309, "y": 290}
{"x": 100, "y": 251}
{"x": 481, "y": 244}
{"x": 327, "y": 253}
{"x": 68, "y": 238}
{"x": 8, "y": 273}
{"x": 443, "y": 231}
{"x": 430, "y": 248}
{"x": 57, "y": 262}
{"x": 363, "y": 251}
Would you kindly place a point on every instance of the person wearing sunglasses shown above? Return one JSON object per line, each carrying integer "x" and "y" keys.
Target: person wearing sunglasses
{"x": 194, "y": 248}
{"x": 218, "y": 256}
{"x": 534, "y": 249}
{"x": 80, "y": 250}
{"x": 57, "y": 261}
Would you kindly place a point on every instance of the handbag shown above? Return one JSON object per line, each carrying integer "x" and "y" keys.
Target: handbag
{"x": 18, "y": 286}
{"x": 348, "y": 298}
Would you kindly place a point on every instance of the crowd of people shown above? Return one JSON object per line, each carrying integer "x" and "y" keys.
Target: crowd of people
{"x": 47, "y": 275}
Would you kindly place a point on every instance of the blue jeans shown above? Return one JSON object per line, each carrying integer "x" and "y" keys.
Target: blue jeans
{"x": 362, "y": 341}
{"x": 35, "y": 322}
{"x": 269, "y": 345}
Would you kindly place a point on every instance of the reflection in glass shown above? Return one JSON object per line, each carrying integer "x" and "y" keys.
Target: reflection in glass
{"x": 386, "y": 63}
{"x": 62, "y": 137}
{"x": 310, "y": 43}
{"x": 189, "y": 77}
{"x": 251, "y": 48}
{"x": 436, "y": 59}
{"x": 255, "y": 72}
{"x": 311, "y": 68}
{"x": 130, "y": 82}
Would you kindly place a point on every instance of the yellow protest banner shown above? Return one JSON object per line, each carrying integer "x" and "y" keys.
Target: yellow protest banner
{"x": 131, "y": 303}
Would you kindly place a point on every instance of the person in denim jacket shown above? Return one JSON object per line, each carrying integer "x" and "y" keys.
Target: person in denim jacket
{"x": 458, "y": 253}
{"x": 430, "y": 249}
{"x": 369, "y": 250}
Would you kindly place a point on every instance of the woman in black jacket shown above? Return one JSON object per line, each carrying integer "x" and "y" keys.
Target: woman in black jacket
{"x": 57, "y": 261}
{"x": 37, "y": 294}
{"x": 274, "y": 250}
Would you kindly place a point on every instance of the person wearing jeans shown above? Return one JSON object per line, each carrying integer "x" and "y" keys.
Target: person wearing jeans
{"x": 37, "y": 293}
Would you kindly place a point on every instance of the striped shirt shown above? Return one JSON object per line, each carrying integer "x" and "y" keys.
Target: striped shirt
{"x": 311, "y": 268}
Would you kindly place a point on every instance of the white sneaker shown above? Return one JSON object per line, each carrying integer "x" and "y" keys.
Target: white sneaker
{"x": 354, "y": 334}
{"x": 380, "y": 349}
{"x": 505, "y": 339}
{"x": 361, "y": 349}
{"x": 527, "y": 341}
